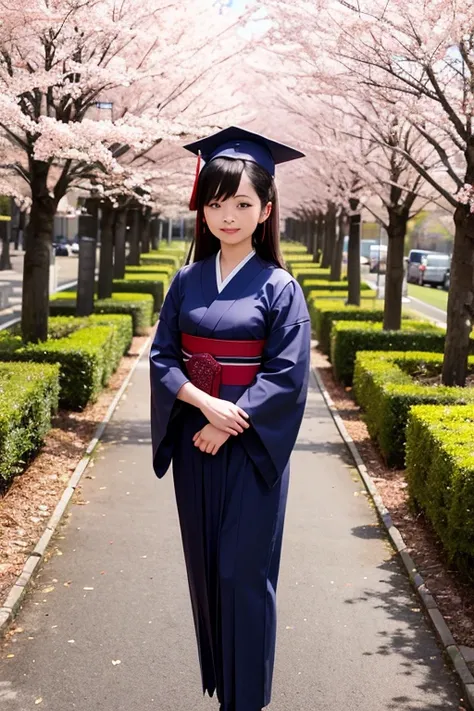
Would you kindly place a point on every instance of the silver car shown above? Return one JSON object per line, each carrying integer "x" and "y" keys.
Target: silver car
{"x": 434, "y": 270}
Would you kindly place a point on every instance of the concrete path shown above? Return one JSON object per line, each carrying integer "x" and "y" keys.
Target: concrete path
{"x": 108, "y": 627}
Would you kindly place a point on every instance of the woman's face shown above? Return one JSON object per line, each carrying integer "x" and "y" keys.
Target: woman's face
{"x": 234, "y": 220}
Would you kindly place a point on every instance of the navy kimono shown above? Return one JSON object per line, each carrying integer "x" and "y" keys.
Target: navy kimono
{"x": 232, "y": 505}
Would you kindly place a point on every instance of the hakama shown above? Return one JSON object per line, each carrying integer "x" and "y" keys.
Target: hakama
{"x": 231, "y": 506}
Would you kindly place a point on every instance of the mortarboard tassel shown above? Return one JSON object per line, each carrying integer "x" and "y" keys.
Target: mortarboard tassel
{"x": 193, "y": 200}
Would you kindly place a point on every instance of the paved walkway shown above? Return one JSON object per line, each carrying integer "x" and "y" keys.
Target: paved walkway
{"x": 351, "y": 634}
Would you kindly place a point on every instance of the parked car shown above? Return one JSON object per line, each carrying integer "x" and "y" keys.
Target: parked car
{"x": 378, "y": 258}
{"x": 61, "y": 249}
{"x": 75, "y": 248}
{"x": 61, "y": 246}
{"x": 434, "y": 270}
{"x": 413, "y": 263}
{"x": 447, "y": 280}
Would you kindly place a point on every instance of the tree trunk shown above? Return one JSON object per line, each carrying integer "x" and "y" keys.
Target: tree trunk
{"x": 86, "y": 276}
{"x": 154, "y": 233}
{"x": 20, "y": 231}
{"x": 160, "y": 231}
{"x": 134, "y": 253}
{"x": 106, "y": 272}
{"x": 5, "y": 261}
{"x": 308, "y": 225}
{"x": 38, "y": 246}
{"x": 120, "y": 231}
{"x": 397, "y": 227}
{"x": 329, "y": 236}
{"x": 336, "y": 264}
{"x": 145, "y": 231}
{"x": 319, "y": 238}
{"x": 460, "y": 299}
{"x": 353, "y": 256}
{"x": 88, "y": 221}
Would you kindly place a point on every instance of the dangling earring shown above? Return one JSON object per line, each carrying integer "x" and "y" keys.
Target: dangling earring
{"x": 263, "y": 232}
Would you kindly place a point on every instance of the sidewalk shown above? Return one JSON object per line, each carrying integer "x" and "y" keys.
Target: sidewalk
{"x": 351, "y": 634}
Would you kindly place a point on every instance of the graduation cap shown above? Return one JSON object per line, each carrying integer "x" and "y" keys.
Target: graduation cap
{"x": 238, "y": 143}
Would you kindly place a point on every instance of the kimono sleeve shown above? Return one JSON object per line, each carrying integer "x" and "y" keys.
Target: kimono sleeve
{"x": 276, "y": 400}
{"x": 166, "y": 379}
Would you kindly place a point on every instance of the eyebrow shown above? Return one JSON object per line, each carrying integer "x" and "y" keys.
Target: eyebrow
{"x": 246, "y": 196}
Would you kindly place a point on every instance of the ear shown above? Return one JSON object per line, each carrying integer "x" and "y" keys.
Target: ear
{"x": 266, "y": 212}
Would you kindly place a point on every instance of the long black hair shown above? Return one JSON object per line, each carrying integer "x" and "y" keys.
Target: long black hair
{"x": 220, "y": 179}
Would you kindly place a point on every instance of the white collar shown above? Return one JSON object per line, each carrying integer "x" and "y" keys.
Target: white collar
{"x": 222, "y": 284}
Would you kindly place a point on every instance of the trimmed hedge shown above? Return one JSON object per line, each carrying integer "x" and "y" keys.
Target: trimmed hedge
{"x": 174, "y": 247}
{"x": 324, "y": 312}
{"x": 138, "y": 306}
{"x": 440, "y": 475}
{"x": 124, "y": 334}
{"x": 295, "y": 263}
{"x": 325, "y": 285}
{"x": 367, "y": 296}
{"x": 156, "y": 285}
{"x": 28, "y": 395}
{"x": 305, "y": 271}
{"x": 384, "y": 388}
{"x": 293, "y": 247}
{"x": 298, "y": 257}
{"x": 157, "y": 258}
{"x": 349, "y": 337}
{"x": 165, "y": 269}
{"x": 87, "y": 356}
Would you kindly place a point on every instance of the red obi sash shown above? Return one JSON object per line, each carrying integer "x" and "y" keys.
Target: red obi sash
{"x": 211, "y": 362}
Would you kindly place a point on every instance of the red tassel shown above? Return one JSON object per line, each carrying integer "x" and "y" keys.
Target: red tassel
{"x": 193, "y": 200}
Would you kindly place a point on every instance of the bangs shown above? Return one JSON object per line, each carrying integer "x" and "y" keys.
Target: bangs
{"x": 220, "y": 180}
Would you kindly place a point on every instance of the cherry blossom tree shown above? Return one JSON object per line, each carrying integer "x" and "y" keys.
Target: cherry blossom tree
{"x": 57, "y": 61}
{"x": 422, "y": 56}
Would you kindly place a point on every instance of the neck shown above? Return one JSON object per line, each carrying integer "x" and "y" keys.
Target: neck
{"x": 232, "y": 254}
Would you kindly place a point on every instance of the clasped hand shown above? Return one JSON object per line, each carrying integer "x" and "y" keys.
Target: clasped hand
{"x": 225, "y": 420}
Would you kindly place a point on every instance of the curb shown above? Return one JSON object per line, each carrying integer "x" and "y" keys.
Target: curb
{"x": 14, "y": 598}
{"x": 432, "y": 612}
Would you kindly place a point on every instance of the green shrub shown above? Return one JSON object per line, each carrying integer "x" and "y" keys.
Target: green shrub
{"x": 324, "y": 313}
{"x": 138, "y": 306}
{"x": 349, "y": 337}
{"x": 28, "y": 395}
{"x": 293, "y": 247}
{"x": 157, "y": 258}
{"x": 367, "y": 296}
{"x": 165, "y": 269}
{"x": 317, "y": 284}
{"x": 156, "y": 285}
{"x": 298, "y": 258}
{"x": 87, "y": 356}
{"x": 308, "y": 271}
{"x": 384, "y": 388}
{"x": 173, "y": 247}
{"x": 440, "y": 475}
{"x": 124, "y": 334}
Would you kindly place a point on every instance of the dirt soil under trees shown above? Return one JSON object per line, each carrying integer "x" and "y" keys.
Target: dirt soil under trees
{"x": 436, "y": 380}
{"x": 454, "y": 597}
{"x": 32, "y": 497}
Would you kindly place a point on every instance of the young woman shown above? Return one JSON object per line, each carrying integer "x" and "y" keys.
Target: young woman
{"x": 229, "y": 371}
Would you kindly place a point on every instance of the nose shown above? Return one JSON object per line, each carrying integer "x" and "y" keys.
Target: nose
{"x": 228, "y": 219}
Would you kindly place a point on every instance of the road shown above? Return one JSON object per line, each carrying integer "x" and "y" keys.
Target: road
{"x": 431, "y": 312}
{"x": 67, "y": 268}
